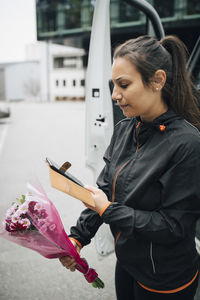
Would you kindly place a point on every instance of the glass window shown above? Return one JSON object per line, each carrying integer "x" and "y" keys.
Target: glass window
{"x": 65, "y": 62}
{"x": 193, "y": 7}
{"x": 74, "y": 82}
{"x": 72, "y": 13}
{"x": 82, "y": 82}
{"x": 164, "y": 8}
{"x": 57, "y": 83}
{"x": 70, "y": 62}
{"x": 58, "y": 62}
{"x": 64, "y": 82}
{"x": 87, "y": 10}
{"x": 53, "y": 15}
{"x": 46, "y": 18}
{"x": 127, "y": 13}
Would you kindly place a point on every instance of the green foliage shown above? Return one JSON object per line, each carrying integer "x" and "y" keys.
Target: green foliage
{"x": 21, "y": 200}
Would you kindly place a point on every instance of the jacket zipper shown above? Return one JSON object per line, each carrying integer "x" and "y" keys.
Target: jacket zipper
{"x": 115, "y": 179}
{"x": 117, "y": 237}
{"x": 137, "y": 133}
{"x": 151, "y": 244}
{"x": 151, "y": 256}
{"x": 117, "y": 174}
{"x": 113, "y": 192}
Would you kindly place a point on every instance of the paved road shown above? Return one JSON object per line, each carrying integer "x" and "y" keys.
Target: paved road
{"x": 33, "y": 132}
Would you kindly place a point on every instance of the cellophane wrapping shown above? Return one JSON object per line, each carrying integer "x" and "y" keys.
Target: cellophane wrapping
{"x": 34, "y": 222}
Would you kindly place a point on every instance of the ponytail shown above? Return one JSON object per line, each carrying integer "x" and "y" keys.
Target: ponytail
{"x": 180, "y": 91}
{"x": 148, "y": 55}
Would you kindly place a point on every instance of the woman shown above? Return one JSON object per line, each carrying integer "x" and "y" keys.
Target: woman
{"x": 149, "y": 189}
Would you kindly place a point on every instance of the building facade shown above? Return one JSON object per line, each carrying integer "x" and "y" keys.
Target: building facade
{"x": 50, "y": 73}
{"x": 62, "y": 74}
{"x": 67, "y": 76}
{"x": 69, "y": 21}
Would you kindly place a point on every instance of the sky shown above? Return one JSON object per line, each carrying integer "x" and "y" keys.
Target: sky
{"x": 17, "y": 28}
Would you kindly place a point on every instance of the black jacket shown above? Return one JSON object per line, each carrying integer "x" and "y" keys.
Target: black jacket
{"x": 152, "y": 177}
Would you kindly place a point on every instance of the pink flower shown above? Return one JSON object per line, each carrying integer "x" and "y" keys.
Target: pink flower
{"x": 16, "y": 216}
{"x": 25, "y": 222}
{"x": 41, "y": 214}
{"x": 15, "y": 219}
{"x": 38, "y": 206}
{"x": 23, "y": 208}
{"x": 36, "y": 209}
{"x": 12, "y": 210}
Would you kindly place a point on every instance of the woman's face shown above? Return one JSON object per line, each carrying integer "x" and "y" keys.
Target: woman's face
{"x": 133, "y": 97}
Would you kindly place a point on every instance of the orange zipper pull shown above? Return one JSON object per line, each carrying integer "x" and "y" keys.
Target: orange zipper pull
{"x": 162, "y": 127}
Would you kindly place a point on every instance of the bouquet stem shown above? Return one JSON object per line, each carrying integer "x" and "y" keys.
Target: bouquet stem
{"x": 90, "y": 275}
{"x": 98, "y": 283}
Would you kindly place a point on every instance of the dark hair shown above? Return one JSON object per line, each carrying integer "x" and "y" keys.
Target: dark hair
{"x": 169, "y": 54}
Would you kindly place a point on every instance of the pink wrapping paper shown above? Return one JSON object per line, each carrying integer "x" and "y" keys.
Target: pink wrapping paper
{"x": 46, "y": 234}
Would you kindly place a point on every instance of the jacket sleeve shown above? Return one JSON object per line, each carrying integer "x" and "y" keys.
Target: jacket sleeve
{"x": 90, "y": 221}
{"x": 86, "y": 227}
{"x": 180, "y": 194}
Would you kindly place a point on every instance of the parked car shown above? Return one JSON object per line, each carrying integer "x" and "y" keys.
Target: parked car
{"x": 4, "y": 110}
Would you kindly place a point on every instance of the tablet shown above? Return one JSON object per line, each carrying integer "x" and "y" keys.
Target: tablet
{"x": 66, "y": 174}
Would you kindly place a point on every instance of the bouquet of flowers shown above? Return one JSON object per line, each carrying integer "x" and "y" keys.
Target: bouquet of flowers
{"x": 33, "y": 222}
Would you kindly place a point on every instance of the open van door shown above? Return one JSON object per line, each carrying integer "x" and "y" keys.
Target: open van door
{"x": 194, "y": 64}
{"x": 101, "y": 113}
{"x": 194, "y": 69}
{"x": 99, "y": 110}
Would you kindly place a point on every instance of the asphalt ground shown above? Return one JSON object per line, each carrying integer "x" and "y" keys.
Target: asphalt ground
{"x": 33, "y": 132}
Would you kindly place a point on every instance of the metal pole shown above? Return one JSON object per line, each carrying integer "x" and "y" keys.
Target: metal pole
{"x": 151, "y": 13}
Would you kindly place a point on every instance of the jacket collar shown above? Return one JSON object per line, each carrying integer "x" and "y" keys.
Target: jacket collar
{"x": 164, "y": 119}
{"x": 145, "y": 129}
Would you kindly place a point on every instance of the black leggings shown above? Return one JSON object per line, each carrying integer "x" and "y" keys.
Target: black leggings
{"x": 128, "y": 289}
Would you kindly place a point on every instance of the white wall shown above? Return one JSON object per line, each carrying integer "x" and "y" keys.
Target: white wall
{"x": 22, "y": 81}
{"x": 45, "y": 66}
{"x": 57, "y": 78}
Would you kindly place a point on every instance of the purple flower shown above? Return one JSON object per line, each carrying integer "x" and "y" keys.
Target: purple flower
{"x": 38, "y": 206}
{"x": 43, "y": 214}
{"x": 31, "y": 206}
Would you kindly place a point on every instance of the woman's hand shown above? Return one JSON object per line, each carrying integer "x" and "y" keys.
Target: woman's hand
{"x": 68, "y": 261}
{"x": 99, "y": 197}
